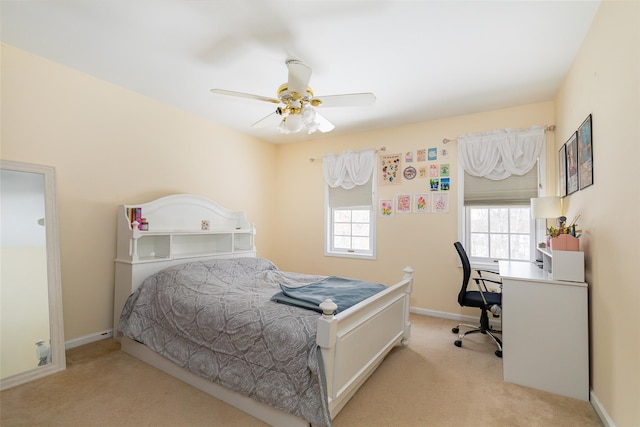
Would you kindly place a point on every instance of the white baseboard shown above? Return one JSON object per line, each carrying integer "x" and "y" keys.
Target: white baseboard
{"x": 454, "y": 316}
{"x": 600, "y": 410}
{"x": 87, "y": 339}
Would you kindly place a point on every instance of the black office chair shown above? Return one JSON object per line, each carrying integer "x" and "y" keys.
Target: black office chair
{"x": 483, "y": 299}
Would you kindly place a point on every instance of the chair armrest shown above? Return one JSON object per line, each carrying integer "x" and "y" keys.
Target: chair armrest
{"x": 488, "y": 280}
{"x": 487, "y": 271}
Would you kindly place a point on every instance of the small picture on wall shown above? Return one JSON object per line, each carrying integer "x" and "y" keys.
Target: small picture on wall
{"x": 445, "y": 184}
{"x": 444, "y": 169}
{"x": 408, "y": 157}
{"x": 422, "y": 155}
{"x": 572, "y": 164}
{"x": 421, "y": 203}
{"x": 585, "y": 154}
{"x": 386, "y": 208}
{"x": 434, "y": 184}
{"x": 432, "y": 154}
{"x": 409, "y": 172}
{"x": 440, "y": 203}
{"x": 404, "y": 203}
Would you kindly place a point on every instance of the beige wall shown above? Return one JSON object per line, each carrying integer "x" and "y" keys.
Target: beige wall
{"x": 604, "y": 82}
{"x": 422, "y": 241}
{"x": 110, "y": 147}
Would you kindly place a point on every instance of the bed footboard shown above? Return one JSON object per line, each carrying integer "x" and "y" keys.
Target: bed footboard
{"x": 353, "y": 343}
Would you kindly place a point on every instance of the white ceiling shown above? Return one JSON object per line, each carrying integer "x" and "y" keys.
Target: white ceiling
{"x": 423, "y": 60}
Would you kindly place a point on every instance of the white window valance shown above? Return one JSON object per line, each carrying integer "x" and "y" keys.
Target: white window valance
{"x": 348, "y": 169}
{"x": 496, "y": 155}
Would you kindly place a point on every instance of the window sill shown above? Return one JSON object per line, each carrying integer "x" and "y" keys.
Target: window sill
{"x": 492, "y": 266}
{"x": 350, "y": 255}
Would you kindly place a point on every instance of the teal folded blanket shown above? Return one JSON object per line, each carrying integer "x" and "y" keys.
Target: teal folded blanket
{"x": 343, "y": 292}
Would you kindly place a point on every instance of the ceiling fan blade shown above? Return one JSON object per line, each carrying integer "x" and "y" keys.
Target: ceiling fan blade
{"x": 245, "y": 95}
{"x": 347, "y": 100}
{"x": 272, "y": 120}
{"x": 324, "y": 124}
{"x": 299, "y": 76}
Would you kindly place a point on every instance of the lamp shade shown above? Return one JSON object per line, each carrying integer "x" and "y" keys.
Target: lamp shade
{"x": 546, "y": 207}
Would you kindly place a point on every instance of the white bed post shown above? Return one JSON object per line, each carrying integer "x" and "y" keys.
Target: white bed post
{"x": 326, "y": 340}
{"x": 408, "y": 275}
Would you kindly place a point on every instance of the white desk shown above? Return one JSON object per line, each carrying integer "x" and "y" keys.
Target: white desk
{"x": 545, "y": 333}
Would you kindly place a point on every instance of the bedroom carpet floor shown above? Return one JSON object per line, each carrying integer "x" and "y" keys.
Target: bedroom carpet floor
{"x": 429, "y": 383}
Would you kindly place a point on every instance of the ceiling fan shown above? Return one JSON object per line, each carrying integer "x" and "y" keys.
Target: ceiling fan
{"x": 297, "y": 104}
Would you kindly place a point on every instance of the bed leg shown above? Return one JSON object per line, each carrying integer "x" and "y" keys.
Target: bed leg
{"x": 408, "y": 275}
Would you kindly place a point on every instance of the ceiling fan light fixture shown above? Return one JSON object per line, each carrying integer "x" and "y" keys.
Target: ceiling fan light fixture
{"x": 308, "y": 114}
{"x": 293, "y": 123}
{"x": 312, "y": 127}
{"x": 309, "y": 118}
{"x": 282, "y": 127}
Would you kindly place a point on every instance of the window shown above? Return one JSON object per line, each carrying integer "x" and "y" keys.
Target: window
{"x": 501, "y": 170}
{"x": 350, "y": 222}
{"x": 351, "y": 230}
{"x": 499, "y": 233}
{"x": 497, "y": 218}
{"x": 349, "y": 211}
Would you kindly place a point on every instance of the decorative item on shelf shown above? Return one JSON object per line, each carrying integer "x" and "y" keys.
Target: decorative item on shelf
{"x": 144, "y": 225}
{"x": 565, "y": 237}
{"x": 135, "y": 215}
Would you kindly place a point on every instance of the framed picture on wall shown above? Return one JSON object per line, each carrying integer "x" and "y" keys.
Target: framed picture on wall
{"x": 562, "y": 170}
{"x": 572, "y": 163}
{"x": 585, "y": 154}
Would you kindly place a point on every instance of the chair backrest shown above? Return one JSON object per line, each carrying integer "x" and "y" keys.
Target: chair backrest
{"x": 466, "y": 269}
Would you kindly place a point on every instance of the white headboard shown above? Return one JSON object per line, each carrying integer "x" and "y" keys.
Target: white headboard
{"x": 186, "y": 212}
{"x": 175, "y": 235}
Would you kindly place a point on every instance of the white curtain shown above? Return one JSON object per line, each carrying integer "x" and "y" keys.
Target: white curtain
{"x": 348, "y": 169}
{"x": 499, "y": 154}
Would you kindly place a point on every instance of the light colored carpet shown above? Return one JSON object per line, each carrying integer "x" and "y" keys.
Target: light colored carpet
{"x": 429, "y": 383}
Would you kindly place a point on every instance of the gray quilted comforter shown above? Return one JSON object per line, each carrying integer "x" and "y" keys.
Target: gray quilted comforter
{"x": 215, "y": 319}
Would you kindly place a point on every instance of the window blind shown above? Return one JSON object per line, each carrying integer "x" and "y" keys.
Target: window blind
{"x": 360, "y": 195}
{"x": 515, "y": 189}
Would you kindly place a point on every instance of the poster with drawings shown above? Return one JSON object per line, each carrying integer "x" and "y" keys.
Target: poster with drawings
{"x": 386, "y": 208}
{"x": 421, "y": 203}
{"x": 403, "y": 204}
{"x": 440, "y": 203}
{"x": 389, "y": 169}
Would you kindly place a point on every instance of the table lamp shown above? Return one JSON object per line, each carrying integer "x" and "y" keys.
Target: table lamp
{"x": 547, "y": 207}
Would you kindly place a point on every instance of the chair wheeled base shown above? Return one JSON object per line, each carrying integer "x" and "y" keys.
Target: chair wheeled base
{"x": 475, "y": 329}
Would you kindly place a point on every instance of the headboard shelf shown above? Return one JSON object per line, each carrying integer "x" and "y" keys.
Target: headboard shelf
{"x": 179, "y": 226}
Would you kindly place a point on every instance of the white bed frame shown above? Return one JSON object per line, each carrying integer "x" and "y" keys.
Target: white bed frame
{"x": 353, "y": 343}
